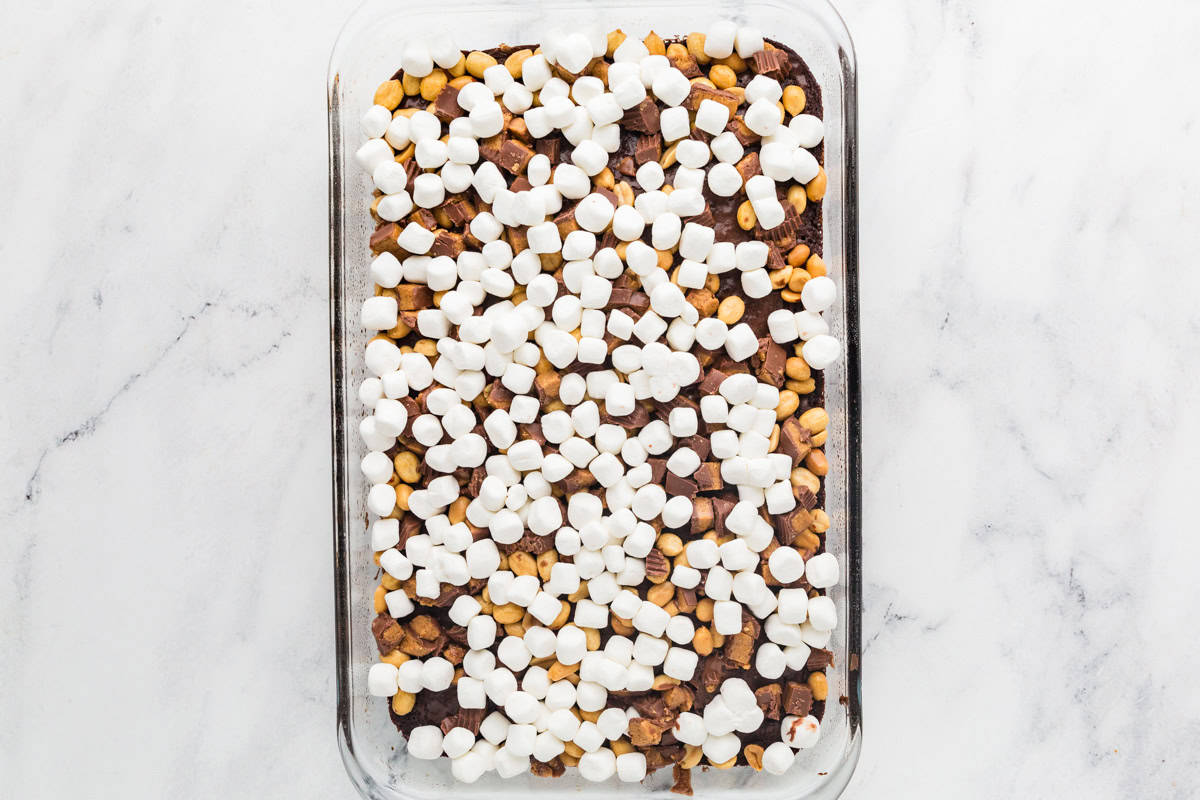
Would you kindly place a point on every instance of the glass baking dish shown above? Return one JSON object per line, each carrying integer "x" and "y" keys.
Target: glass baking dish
{"x": 367, "y": 53}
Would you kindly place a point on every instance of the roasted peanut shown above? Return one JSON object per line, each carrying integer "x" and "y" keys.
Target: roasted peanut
{"x": 378, "y": 601}
{"x": 508, "y": 613}
{"x": 815, "y": 265}
{"x": 660, "y": 594}
{"x": 458, "y": 510}
{"x": 545, "y": 562}
{"x": 478, "y": 61}
{"x": 722, "y": 76}
{"x": 815, "y": 419}
{"x": 797, "y": 368}
{"x": 797, "y": 198}
{"x": 403, "y": 702}
{"x": 820, "y": 522}
{"x": 654, "y": 44}
{"x": 395, "y": 658}
{"x": 403, "y": 492}
{"x": 817, "y": 463}
{"x": 407, "y": 466}
{"x": 819, "y": 685}
{"x": 794, "y": 100}
{"x": 789, "y": 401}
{"x": 702, "y": 641}
{"x": 754, "y": 756}
{"x": 798, "y": 255}
{"x": 432, "y": 84}
{"x": 615, "y": 39}
{"x": 411, "y": 84}
{"x": 731, "y": 309}
{"x": 522, "y": 563}
{"x": 802, "y": 477}
{"x": 816, "y": 187}
{"x": 670, "y": 545}
{"x": 704, "y": 610}
{"x": 695, "y": 46}
{"x": 389, "y": 94}
{"x": 746, "y": 218}
{"x": 515, "y": 62}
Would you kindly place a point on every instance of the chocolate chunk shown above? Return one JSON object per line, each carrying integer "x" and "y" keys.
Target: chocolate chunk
{"x": 520, "y": 184}
{"x": 658, "y": 469}
{"x": 547, "y": 384}
{"x": 387, "y": 632}
{"x": 549, "y": 146}
{"x": 459, "y": 211}
{"x": 703, "y": 301}
{"x": 794, "y": 440}
{"x": 722, "y": 507}
{"x": 773, "y": 364}
{"x": 805, "y": 498}
{"x": 626, "y": 167}
{"x": 566, "y": 221}
{"x": 708, "y": 477}
{"x": 446, "y": 106}
{"x": 797, "y": 699}
{"x": 629, "y": 298}
{"x": 514, "y": 156}
{"x": 649, "y": 148}
{"x": 791, "y": 525}
{"x": 413, "y": 296}
{"x": 686, "y": 599}
{"x": 712, "y": 381}
{"x": 383, "y": 239}
{"x": 447, "y": 244}
{"x": 425, "y": 218}
{"x": 499, "y": 396}
{"x": 554, "y": 768}
{"x": 642, "y": 118}
{"x": 702, "y": 515}
{"x": 702, "y": 445}
{"x": 705, "y": 217}
{"x": 490, "y": 148}
{"x": 738, "y": 648}
{"x": 749, "y": 166}
{"x": 819, "y": 659}
{"x": 701, "y": 92}
{"x": 772, "y": 63}
{"x": 770, "y": 700}
{"x": 529, "y": 543}
{"x": 677, "y": 485}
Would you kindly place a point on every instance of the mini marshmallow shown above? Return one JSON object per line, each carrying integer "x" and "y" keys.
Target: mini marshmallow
{"x": 425, "y": 742}
{"x": 741, "y": 342}
{"x": 786, "y": 564}
{"x": 680, "y": 663}
{"x": 818, "y": 294}
{"x": 727, "y": 617}
{"x": 381, "y": 680}
{"x": 821, "y": 351}
{"x": 805, "y": 166}
{"x": 821, "y": 570}
{"x": 822, "y": 613}
{"x": 673, "y": 123}
{"x": 800, "y": 733}
{"x": 671, "y": 86}
{"x": 376, "y": 151}
{"x": 598, "y": 766}
{"x": 594, "y": 212}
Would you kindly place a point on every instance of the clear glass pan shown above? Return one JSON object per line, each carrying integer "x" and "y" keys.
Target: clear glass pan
{"x": 366, "y": 53}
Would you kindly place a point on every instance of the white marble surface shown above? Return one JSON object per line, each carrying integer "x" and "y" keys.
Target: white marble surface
{"x": 1031, "y": 344}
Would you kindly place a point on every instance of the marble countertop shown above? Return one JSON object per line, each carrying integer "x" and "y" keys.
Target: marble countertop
{"x": 1031, "y": 341}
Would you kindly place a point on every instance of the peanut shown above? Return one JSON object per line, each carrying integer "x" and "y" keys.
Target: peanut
{"x": 670, "y": 545}
{"x": 802, "y": 477}
{"x": 815, "y": 265}
{"x": 731, "y": 309}
{"x": 797, "y": 197}
{"x": 615, "y": 39}
{"x": 815, "y": 419}
{"x": 746, "y": 218}
{"x": 389, "y": 94}
{"x": 817, "y": 463}
{"x": 403, "y": 492}
{"x": 794, "y": 100}
{"x": 515, "y": 62}
{"x": 432, "y": 84}
{"x": 820, "y": 522}
{"x": 522, "y": 563}
{"x": 545, "y": 562}
{"x": 403, "y": 702}
{"x": 702, "y": 641}
{"x": 377, "y": 601}
{"x": 819, "y": 685}
{"x": 407, "y": 466}
{"x": 411, "y": 84}
{"x": 477, "y": 62}
{"x": 691, "y": 756}
{"x": 508, "y": 613}
{"x": 660, "y": 594}
{"x": 797, "y": 368}
{"x": 654, "y": 44}
{"x": 816, "y": 187}
{"x": 789, "y": 401}
{"x": 695, "y": 46}
{"x": 754, "y": 756}
{"x": 722, "y": 76}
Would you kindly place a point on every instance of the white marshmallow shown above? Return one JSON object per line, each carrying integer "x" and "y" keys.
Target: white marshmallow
{"x": 800, "y": 733}
{"x": 719, "y": 39}
{"x": 821, "y": 351}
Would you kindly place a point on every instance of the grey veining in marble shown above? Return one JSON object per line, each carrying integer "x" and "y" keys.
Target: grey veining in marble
{"x": 1031, "y": 349}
